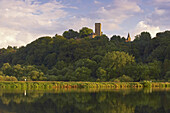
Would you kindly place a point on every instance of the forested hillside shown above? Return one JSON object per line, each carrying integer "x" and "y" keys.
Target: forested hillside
{"x": 76, "y": 57}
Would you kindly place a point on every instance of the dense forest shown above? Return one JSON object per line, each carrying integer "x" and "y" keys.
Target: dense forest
{"x": 76, "y": 57}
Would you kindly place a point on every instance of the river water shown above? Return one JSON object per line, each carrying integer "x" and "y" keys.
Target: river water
{"x": 85, "y": 101}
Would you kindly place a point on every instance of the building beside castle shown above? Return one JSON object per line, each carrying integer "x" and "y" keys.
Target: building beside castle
{"x": 128, "y": 38}
{"x": 97, "y": 31}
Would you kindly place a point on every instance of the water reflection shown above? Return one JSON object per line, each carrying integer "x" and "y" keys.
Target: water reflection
{"x": 86, "y": 101}
{"x": 25, "y": 92}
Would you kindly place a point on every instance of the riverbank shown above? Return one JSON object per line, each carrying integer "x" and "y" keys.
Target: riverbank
{"x": 59, "y": 84}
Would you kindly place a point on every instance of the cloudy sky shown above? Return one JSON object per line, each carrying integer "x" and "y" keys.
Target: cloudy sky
{"x": 22, "y": 21}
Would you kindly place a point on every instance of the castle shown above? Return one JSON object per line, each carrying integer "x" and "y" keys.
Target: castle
{"x": 99, "y": 33}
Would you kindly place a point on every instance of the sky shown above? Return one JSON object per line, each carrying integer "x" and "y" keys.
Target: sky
{"x": 23, "y": 21}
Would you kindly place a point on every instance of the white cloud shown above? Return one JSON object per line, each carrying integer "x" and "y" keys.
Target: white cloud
{"x": 159, "y": 11}
{"x": 126, "y": 6}
{"x": 113, "y": 15}
{"x": 162, "y": 1}
{"x": 97, "y": 2}
{"x": 76, "y": 23}
{"x": 160, "y": 15}
{"x": 8, "y": 37}
{"x": 22, "y": 21}
{"x": 142, "y": 26}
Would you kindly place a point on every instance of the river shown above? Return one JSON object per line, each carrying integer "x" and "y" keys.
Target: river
{"x": 85, "y": 101}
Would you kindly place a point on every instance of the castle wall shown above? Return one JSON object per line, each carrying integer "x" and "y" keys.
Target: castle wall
{"x": 98, "y": 29}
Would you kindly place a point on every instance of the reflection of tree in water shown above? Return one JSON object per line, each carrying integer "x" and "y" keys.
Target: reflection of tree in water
{"x": 19, "y": 97}
{"x": 148, "y": 109}
{"x": 83, "y": 102}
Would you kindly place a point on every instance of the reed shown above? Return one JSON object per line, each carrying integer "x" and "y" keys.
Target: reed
{"x": 60, "y": 84}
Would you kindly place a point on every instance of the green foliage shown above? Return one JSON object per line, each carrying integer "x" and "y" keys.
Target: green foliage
{"x": 82, "y": 73}
{"x": 97, "y": 58}
{"x": 116, "y": 80}
{"x": 59, "y": 57}
{"x": 84, "y": 32}
{"x": 35, "y": 75}
{"x": 167, "y": 76}
{"x": 117, "y": 60}
{"x": 90, "y": 64}
{"x": 50, "y": 60}
{"x": 60, "y": 65}
{"x": 8, "y": 78}
{"x": 21, "y": 72}
{"x": 147, "y": 84}
{"x": 102, "y": 74}
{"x": 125, "y": 78}
{"x": 70, "y": 34}
{"x": 114, "y": 62}
{"x": 117, "y": 39}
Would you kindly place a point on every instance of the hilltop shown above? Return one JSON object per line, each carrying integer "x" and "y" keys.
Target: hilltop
{"x": 76, "y": 57}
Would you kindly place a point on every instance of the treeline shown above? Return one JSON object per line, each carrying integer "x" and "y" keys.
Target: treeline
{"x": 76, "y": 57}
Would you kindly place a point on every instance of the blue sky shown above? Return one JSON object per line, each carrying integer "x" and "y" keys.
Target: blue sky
{"x": 22, "y": 21}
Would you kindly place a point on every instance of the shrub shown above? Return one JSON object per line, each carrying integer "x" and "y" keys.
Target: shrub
{"x": 1, "y": 78}
{"x": 147, "y": 84}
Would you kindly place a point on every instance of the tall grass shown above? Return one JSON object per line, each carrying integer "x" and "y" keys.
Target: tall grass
{"x": 59, "y": 84}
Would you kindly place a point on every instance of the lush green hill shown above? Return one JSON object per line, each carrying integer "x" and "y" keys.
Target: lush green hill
{"x": 76, "y": 57}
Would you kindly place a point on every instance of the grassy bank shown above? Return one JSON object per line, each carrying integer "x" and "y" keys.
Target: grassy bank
{"x": 57, "y": 84}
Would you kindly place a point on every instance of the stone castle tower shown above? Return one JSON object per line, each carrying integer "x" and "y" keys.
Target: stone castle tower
{"x": 128, "y": 38}
{"x": 98, "y": 29}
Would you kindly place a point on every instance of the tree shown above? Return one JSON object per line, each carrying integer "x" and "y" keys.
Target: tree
{"x": 102, "y": 74}
{"x": 97, "y": 58}
{"x": 35, "y": 75}
{"x": 142, "y": 44}
{"x": 155, "y": 69}
{"x": 17, "y": 71}
{"x": 60, "y": 65}
{"x": 117, "y": 39}
{"x": 84, "y": 32}
{"x": 90, "y": 64}
{"x": 82, "y": 73}
{"x": 125, "y": 78}
{"x": 166, "y": 66}
{"x": 7, "y": 69}
{"x": 114, "y": 62}
{"x": 138, "y": 71}
{"x": 50, "y": 60}
{"x": 143, "y": 36}
{"x": 70, "y": 34}
{"x": 167, "y": 76}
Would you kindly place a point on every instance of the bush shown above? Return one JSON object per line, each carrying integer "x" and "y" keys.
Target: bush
{"x": 1, "y": 78}
{"x": 8, "y": 78}
{"x": 147, "y": 84}
{"x": 13, "y": 78}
